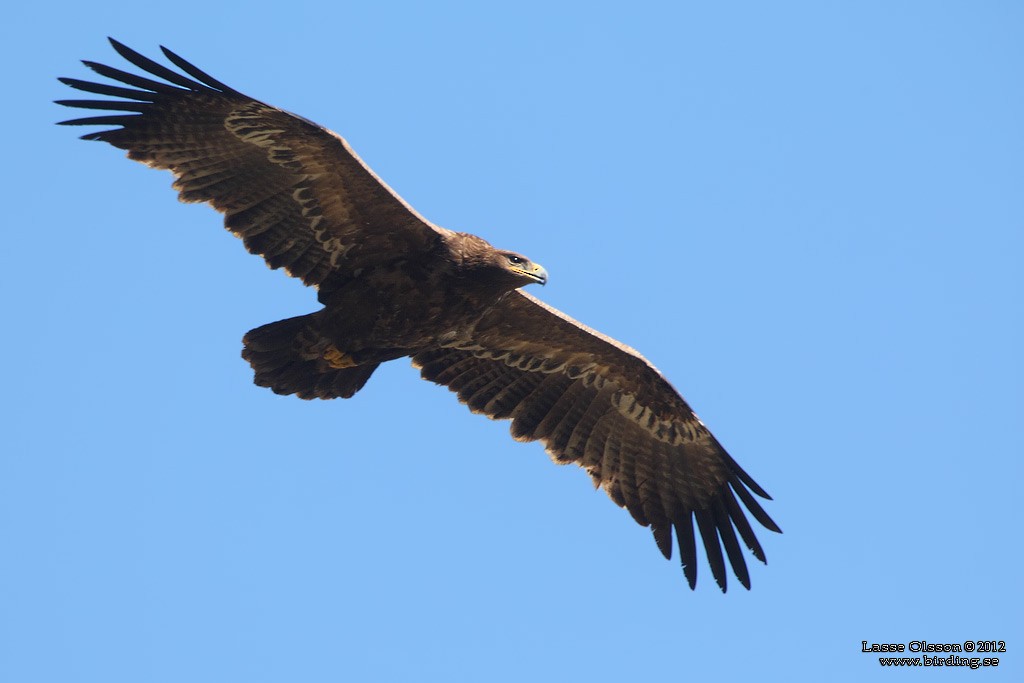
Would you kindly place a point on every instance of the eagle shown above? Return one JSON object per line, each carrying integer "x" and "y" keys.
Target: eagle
{"x": 393, "y": 285}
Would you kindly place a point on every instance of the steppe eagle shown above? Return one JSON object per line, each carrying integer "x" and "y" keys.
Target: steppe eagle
{"x": 392, "y": 284}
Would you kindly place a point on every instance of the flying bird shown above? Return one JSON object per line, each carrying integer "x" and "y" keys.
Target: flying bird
{"x": 392, "y": 285}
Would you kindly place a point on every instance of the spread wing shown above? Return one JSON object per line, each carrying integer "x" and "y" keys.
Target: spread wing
{"x": 292, "y": 190}
{"x": 600, "y": 404}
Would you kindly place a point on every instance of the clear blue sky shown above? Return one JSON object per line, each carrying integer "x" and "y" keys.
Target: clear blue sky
{"x": 809, "y": 215}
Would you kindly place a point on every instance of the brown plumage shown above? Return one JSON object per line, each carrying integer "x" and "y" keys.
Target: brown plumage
{"x": 394, "y": 285}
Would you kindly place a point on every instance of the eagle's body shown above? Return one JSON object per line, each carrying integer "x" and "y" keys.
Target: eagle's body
{"x": 393, "y": 285}
{"x": 384, "y": 312}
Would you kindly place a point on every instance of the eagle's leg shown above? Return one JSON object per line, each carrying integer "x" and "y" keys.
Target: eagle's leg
{"x": 332, "y": 354}
{"x": 338, "y": 359}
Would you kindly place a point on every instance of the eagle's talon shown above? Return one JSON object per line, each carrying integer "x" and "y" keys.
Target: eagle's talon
{"x": 339, "y": 360}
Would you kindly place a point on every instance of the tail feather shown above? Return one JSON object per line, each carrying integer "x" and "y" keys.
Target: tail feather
{"x": 286, "y": 356}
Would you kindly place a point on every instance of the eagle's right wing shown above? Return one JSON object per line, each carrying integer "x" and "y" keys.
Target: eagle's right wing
{"x": 292, "y": 190}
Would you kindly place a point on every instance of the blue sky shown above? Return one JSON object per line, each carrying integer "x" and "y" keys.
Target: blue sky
{"x": 807, "y": 214}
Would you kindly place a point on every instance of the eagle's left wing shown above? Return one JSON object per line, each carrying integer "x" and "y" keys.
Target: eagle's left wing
{"x": 600, "y": 404}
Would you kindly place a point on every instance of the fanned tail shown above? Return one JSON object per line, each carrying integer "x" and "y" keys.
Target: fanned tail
{"x": 287, "y": 358}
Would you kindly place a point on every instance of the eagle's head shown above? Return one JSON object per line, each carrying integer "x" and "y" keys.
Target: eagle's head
{"x": 504, "y": 270}
{"x": 522, "y": 268}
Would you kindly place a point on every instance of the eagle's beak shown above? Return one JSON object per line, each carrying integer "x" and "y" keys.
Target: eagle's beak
{"x": 538, "y": 273}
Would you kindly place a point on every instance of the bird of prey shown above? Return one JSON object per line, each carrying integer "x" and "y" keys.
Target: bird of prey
{"x": 393, "y": 285}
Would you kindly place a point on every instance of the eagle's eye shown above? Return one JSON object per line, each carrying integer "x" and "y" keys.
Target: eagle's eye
{"x": 516, "y": 260}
